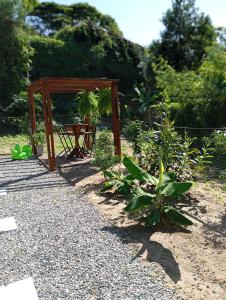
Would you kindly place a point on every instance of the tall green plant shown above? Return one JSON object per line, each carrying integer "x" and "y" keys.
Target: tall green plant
{"x": 87, "y": 103}
{"x": 104, "y": 101}
{"x": 103, "y": 151}
{"x": 157, "y": 204}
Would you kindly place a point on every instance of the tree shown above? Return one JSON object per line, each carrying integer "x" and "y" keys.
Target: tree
{"x": 186, "y": 36}
{"x": 86, "y": 51}
{"x": 196, "y": 98}
{"x": 49, "y": 17}
{"x": 14, "y": 51}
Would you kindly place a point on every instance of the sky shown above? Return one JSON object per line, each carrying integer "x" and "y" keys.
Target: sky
{"x": 140, "y": 20}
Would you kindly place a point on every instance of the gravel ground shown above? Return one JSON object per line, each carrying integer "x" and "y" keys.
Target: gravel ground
{"x": 63, "y": 243}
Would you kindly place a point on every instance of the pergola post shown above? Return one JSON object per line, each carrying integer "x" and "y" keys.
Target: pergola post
{"x": 116, "y": 118}
{"x": 31, "y": 106}
{"x": 49, "y": 129}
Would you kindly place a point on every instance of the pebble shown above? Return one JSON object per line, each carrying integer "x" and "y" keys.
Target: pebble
{"x": 63, "y": 242}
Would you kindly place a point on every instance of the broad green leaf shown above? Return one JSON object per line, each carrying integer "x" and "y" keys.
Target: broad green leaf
{"x": 137, "y": 172}
{"x": 175, "y": 189}
{"x": 153, "y": 218}
{"x": 108, "y": 185}
{"x": 161, "y": 172}
{"x": 138, "y": 191}
{"x": 176, "y": 216}
{"x": 168, "y": 177}
{"x": 125, "y": 190}
{"x": 128, "y": 178}
{"x": 110, "y": 174}
{"x": 140, "y": 202}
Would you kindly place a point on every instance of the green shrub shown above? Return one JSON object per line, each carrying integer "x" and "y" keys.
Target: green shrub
{"x": 178, "y": 153}
{"x": 219, "y": 142}
{"x": 103, "y": 151}
{"x": 132, "y": 130}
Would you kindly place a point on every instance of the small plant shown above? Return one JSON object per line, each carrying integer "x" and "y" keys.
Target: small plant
{"x": 157, "y": 204}
{"x": 104, "y": 101}
{"x": 38, "y": 138}
{"x": 153, "y": 197}
{"x": 132, "y": 131}
{"x": 219, "y": 142}
{"x": 88, "y": 104}
{"x": 120, "y": 183}
{"x": 178, "y": 153}
{"x": 103, "y": 151}
{"x": 204, "y": 156}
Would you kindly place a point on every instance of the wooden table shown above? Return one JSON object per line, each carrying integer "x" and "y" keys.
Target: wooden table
{"x": 78, "y": 130}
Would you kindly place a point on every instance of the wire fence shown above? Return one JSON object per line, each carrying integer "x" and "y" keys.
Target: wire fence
{"x": 11, "y": 126}
{"x": 216, "y": 138}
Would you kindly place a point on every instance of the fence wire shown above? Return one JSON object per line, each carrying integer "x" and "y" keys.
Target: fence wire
{"x": 216, "y": 137}
{"x": 16, "y": 125}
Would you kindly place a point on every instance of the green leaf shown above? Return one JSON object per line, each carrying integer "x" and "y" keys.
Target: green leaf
{"x": 176, "y": 216}
{"x": 140, "y": 202}
{"x": 110, "y": 174}
{"x": 153, "y": 218}
{"x": 125, "y": 189}
{"x": 175, "y": 189}
{"x": 161, "y": 172}
{"x": 138, "y": 191}
{"x": 169, "y": 177}
{"x": 108, "y": 185}
{"x": 128, "y": 178}
{"x": 137, "y": 172}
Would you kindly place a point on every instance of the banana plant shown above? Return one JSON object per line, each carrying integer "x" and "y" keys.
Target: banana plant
{"x": 120, "y": 183}
{"x": 157, "y": 204}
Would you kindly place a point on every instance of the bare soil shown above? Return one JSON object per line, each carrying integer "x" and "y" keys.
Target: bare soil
{"x": 192, "y": 260}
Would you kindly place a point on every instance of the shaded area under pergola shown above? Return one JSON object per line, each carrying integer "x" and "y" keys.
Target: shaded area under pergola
{"x": 47, "y": 86}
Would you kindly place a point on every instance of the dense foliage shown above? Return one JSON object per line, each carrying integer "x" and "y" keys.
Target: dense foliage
{"x": 196, "y": 98}
{"x": 15, "y": 52}
{"x": 184, "y": 69}
{"x": 186, "y": 36}
{"x": 178, "y": 153}
{"x": 48, "y": 17}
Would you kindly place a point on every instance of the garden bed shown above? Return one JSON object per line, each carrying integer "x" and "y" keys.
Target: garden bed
{"x": 191, "y": 260}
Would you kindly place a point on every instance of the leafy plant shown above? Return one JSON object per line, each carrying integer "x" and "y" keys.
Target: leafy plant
{"x": 103, "y": 151}
{"x": 88, "y": 104}
{"x": 157, "y": 204}
{"x": 219, "y": 141}
{"x": 152, "y": 197}
{"x": 104, "y": 101}
{"x": 132, "y": 130}
{"x": 178, "y": 153}
{"x": 204, "y": 156}
{"x": 121, "y": 183}
{"x": 38, "y": 138}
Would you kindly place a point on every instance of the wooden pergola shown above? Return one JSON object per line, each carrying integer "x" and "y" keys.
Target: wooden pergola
{"x": 47, "y": 86}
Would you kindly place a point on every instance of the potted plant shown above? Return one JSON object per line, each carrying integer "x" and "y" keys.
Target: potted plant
{"x": 38, "y": 138}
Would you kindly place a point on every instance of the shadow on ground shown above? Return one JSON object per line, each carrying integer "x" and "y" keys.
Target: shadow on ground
{"x": 77, "y": 173}
{"x": 156, "y": 252}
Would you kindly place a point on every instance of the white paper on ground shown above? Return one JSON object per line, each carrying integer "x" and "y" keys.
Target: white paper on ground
{"x": 7, "y": 224}
{"x": 3, "y": 192}
{"x": 19, "y": 290}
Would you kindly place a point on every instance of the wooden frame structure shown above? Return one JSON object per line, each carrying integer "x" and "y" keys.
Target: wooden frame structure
{"x": 47, "y": 86}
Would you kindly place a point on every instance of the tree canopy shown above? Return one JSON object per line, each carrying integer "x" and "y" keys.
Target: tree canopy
{"x": 15, "y": 52}
{"x": 186, "y": 36}
{"x": 49, "y": 17}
